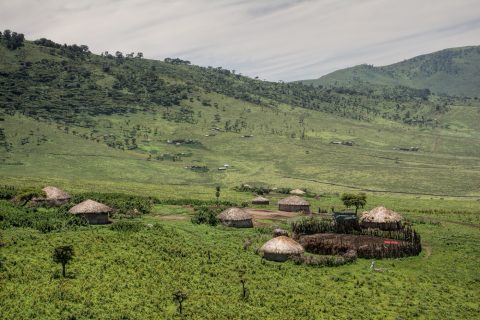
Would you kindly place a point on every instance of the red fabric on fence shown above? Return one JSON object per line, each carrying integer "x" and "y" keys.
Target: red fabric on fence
{"x": 391, "y": 242}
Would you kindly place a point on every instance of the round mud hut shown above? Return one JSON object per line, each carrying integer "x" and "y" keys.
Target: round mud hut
{"x": 298, "y": 192}
{"x": 53, "y": 197}
{"x": 260, "y": 200}
{"x": 294, "y": 204}
{"x": 281, "y": 248}
{"x": 94, "y": 212}
{"x": 381, "y": 218}
{"x": 236, "y": 217}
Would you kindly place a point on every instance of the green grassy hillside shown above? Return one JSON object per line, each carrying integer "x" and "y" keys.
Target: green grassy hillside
{"x": 117, "y": 127}
{"x": 452, "y": 71}
{"x": 72, "y": 117}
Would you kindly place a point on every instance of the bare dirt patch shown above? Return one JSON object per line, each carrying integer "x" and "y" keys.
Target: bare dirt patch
{"x": 259, "y": 214}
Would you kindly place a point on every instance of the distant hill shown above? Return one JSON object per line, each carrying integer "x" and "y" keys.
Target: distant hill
{"x": 453, "y": 72}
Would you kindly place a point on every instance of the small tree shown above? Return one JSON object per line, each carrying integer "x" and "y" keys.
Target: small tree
{"x": 354, "y": 200}
{"x": 217, "y": 193}
{"x": 63, "y": 255}
{"x": 243, "y": 282}
{"x": 179, "y": 297}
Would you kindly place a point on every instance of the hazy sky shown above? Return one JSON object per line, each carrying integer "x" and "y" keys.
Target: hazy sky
{"x": 272, "y": 39}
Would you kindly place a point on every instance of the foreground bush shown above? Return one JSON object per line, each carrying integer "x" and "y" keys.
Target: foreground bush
{"x": 127, "y": 226}
{"x": 206, "y": 215}
{"x": 44, "y": 220}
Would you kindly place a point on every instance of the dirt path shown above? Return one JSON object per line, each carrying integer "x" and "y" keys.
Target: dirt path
{"x": 272, "y": 215}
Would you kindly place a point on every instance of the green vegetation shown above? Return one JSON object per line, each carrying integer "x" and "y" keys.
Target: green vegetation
{"x": 354, "y": 200}
{"x": 124, "y": 274}
{"x": 63, "y": 255}
{"x": 147, "y": 137}
{"x": 453, "y": 72}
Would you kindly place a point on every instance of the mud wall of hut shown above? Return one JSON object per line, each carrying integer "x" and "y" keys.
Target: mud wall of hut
{"x": 294, "y": 208}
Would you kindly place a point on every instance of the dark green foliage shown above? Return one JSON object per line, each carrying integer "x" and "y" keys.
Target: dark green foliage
{"x": 81, "y": 85}
{"x": 179, "y": 297}
{"x": 284, "y": 190}
{"x": 25, "y": 195}
{"x": 354, "y": 200}
{"x": 8, "y": 192}
{"x": 217, "y": 193}
{"x": 44, "y": 220}
{"x": 63, "y": 255}
{"x": 122, "y": 203}
{"x": 127, "y": 226}
{"x": 12, "y": 40}
{"x": 450, "y": 71}
{"x": 261, "y": 190}
{"x": 206, "y": 215}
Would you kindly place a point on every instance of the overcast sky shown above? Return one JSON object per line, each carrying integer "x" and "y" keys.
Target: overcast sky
{"x": 272, "y": 39}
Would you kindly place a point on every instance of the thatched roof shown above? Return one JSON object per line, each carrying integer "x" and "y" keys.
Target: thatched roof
{"x": 294, "y": 200}
{"x": 282, "y": 245}
{"x": 234, "y": 214}
{"x": 90, "y": 206}
{"x": 55, "y": 194}
{"x": 380, "y": 215}
{"x": 297, "y": 191}
{"x": 260, "y": 199}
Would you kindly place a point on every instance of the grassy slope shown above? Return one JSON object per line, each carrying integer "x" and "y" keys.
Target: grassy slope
{"x": 447, "y": 164}
{"x": 451, "y": 71}
{"x": 123, "y": 275}
{"x": 133, "y": 276}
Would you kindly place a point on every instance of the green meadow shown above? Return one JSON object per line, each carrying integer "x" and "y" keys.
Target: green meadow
{"x": 132, "y": 275}
{"x": 137, "y": 127}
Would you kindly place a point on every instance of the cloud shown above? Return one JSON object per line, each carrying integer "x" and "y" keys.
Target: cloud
{"x": 272, "y": 39}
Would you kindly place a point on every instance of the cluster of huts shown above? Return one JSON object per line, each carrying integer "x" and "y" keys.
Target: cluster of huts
{"x": 281, "y": 247}
{"x": 92, "y": 211}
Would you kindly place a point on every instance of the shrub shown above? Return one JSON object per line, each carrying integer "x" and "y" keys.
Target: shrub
{"x": 126, "y": 226}
{"x": 8, "y": 192}
{"x": 123, "y": 204}
{"x": 206, "y": 215}
{"x": 45, "y": 220}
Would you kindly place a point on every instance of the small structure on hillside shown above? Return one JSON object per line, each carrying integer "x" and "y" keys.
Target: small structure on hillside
{"x": 294, "y": 204}
{"x": 236, "y": 217}
{"x": 260, "y": 200}
{"x": 281, "y": 248}
{"x": 53, "y": 196}
{"x": 94, "y": 212}
{"x": 381, "y": 218}
{"x": 298, "y": 192}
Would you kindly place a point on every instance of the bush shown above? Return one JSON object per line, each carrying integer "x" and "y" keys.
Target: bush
{"x": 123, "y": 204}
{"x": 44, "y": 220}
{"x": 261, "y": 190}
{"x": 206, "y": 215}
{"x": 126, "y": 226}
{"x": 8, "y": 192}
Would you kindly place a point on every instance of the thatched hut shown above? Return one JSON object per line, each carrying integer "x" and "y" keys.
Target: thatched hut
{"x": 298, "y": 192}
{"x": 53, "y": 196}
{"x": 235, "y": 217}
{"x": 260, "y": 200}
{"x": 294, "y": 204}
{"x": 381, "y": 218}
{"x": 281, "y": 248}
{"x": 94, "y": 212}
